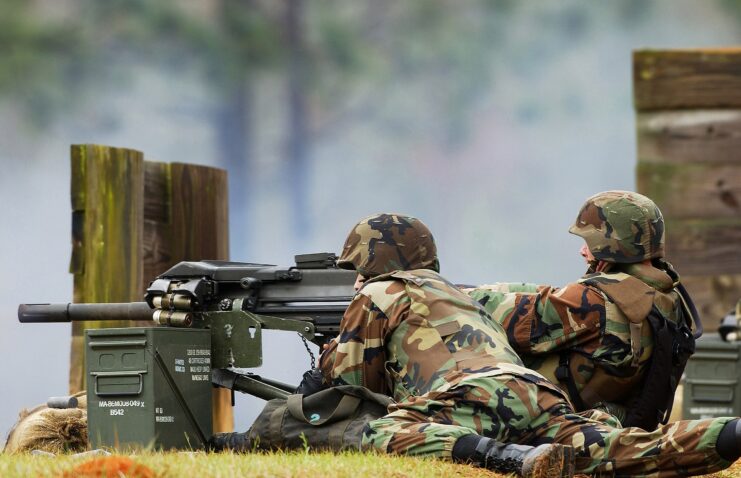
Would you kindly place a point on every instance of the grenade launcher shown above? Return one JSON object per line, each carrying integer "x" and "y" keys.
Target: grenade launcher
{"x": 151, "y": 385}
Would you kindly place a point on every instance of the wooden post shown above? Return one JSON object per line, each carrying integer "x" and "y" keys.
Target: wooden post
{"x": 688, "y": 105}
{"x": 107, "y": 198}
{"x": 186, "y": 219}
{"x": 132, "y": 220}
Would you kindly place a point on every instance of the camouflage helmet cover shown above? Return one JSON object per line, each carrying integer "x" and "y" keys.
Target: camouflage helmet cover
{"x": 621, "y": 226}
{"x": 384, "y": 243}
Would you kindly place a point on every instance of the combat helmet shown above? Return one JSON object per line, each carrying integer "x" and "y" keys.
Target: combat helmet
{"x": 384, "y": 243}
{"x": 621, "y": 226}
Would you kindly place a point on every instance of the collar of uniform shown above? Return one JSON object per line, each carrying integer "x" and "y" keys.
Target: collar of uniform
{"x": 418, "y": 276}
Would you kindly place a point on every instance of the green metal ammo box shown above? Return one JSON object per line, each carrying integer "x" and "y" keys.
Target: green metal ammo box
{"x": 148, "y": 387}
{"x": 712, "y": 387}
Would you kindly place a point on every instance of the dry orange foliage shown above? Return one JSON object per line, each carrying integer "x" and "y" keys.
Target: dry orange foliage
{"x": 109, "y": 467}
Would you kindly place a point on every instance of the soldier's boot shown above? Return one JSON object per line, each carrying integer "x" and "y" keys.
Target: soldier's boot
{"x": 544, "y": 461}
{"x": 230, "y": 441}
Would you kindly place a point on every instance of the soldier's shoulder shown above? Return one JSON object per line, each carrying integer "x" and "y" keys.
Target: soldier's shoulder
{"x": 417, "y": 277}
{"x": 604, "y": 278}
{"x": 386, "y": 293}
{"x": 631, "y": 295}
{"x": 382, "y": 288}
{"x": 612, "y": 282}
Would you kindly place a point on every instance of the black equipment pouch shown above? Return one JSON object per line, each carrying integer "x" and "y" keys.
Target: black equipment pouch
{"x": 330, "y": 419}
{"x": 673, "y": 346}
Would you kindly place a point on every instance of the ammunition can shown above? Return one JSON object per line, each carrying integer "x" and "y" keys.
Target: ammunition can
{"x": 148, "y": 387}
{"x": 712, "y": 387}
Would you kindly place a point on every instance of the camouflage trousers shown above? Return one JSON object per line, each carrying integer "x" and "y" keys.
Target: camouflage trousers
{"x": 512, "y": 409}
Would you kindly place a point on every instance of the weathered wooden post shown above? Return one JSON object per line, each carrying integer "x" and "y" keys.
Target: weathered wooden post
{"x": 107, "y": 213}
{"x": 133, "y": 219}
{"x": 688, "y": 105}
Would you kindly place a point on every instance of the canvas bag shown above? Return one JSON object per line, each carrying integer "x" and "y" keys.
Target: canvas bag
{"x": 330, "y": 419}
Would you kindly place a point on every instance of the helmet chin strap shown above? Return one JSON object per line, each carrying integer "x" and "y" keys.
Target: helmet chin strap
{"x": 599, "y": 266}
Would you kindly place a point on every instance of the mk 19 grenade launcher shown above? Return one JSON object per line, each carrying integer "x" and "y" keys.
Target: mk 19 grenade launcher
{"x": 151, "y": 386}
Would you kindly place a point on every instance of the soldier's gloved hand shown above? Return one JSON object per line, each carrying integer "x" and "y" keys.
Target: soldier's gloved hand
{"x": 312, "y": 382}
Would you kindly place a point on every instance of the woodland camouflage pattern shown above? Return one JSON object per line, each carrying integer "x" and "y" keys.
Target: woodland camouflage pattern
{"x": 599, "y": 320}
{"x": 621, "y": 226}
{"x": 384, "y": 243}
{"x": 413, "y": 335}
{"x": 449, "y": 367}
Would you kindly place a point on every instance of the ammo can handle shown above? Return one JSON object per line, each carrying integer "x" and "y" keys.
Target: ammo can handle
{"x": 137, "y": 373}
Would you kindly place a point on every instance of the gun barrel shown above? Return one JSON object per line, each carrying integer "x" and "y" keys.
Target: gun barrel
{"x": 40, "y": 313}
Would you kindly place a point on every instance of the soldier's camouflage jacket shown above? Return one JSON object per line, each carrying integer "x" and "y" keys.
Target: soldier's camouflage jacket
{"x": 598, "y": 324}
{"x": 409, "y": 332}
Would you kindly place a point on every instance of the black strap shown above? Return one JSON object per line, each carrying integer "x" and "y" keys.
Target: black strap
{"x": 673, "y": 346}
{"x": 563, "y": 374}
{"x": 693, "y": 310}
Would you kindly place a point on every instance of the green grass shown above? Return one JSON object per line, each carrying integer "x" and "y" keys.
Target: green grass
{"x": 300, "y": 464}
{"x": 733, "y": 472}
{"x": 294, "y": 464}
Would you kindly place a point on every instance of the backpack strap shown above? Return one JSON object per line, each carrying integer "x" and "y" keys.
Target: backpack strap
{"x": 563, "y": 374}
{"x": 673, "y": 345}
{"x": 690, "y": 306}
{"x": 632, "y": 296}
{"x": 684, "y": 296}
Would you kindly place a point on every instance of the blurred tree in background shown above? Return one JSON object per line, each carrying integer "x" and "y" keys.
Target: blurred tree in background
{"x": 333, "y": 58}
{"x": 40, "y": 61}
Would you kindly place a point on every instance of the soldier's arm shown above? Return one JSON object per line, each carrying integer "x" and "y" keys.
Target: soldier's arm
{"x": 491, "y": 295}
{"x": 358, "y": 354}
{"x": 547, "y": 320}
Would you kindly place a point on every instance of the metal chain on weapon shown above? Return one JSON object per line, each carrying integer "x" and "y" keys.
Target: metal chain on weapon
{"x": 311, "y": 354}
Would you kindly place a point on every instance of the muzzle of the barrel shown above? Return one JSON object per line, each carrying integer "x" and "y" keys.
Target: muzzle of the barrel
{"x": 44, "y": 313}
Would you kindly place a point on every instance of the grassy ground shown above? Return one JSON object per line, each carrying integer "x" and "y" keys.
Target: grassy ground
{"x": 203, "y": 465}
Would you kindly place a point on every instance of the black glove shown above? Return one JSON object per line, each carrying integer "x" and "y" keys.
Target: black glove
{"x": 312, "y": 382}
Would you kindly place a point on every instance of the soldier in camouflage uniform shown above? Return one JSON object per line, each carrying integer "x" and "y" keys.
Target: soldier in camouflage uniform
{"x": 458, "y": 385}
{"x": 593, "y": 337}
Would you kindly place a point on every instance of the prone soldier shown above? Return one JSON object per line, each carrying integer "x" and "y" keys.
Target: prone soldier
{"x": 462, "y": 392}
